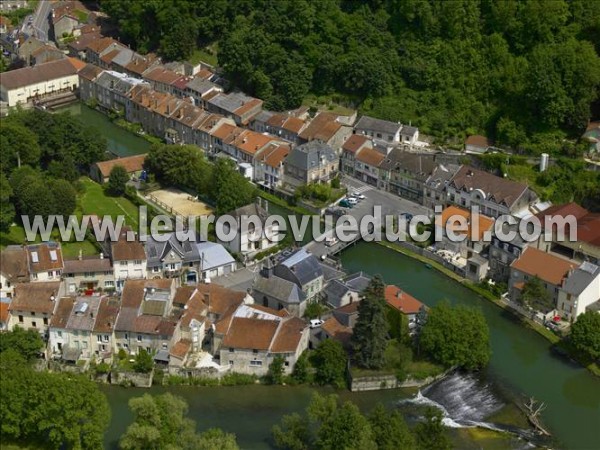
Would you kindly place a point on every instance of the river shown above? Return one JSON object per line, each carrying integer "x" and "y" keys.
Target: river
{"x": 521, "y": 362}
{"x": 120, "y": 142}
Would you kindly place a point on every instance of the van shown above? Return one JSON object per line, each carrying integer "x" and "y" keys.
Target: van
{"x": 316, "y": 323}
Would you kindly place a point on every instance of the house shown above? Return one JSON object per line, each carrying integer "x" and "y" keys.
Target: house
{"x": 253, "y": 336}
{"x": 313, "y": 162}
{"x": 347, "y": 315}
{"x": 434, "y": 185}
{"x": 27, "y": 47}
{"x": 477, "y": 144}
{"x": 333, "y": 329}
{"x": 199, "y": 87}
{"x": 269, "y": 164}
{"x": 77, "y": 47}
{"x": 248, "y": 239}
{"x": 162, "y": 79}
{"x": 285, "y": 127}
{"x": 327, "y": 128}
{"x": 44, "y": 261}
{"x": 46, "y": 53}
{"x": 109, "y": 90}
{"x": 237, "y": 105}
{"x": 33, "y": 305}
{"x": 72, "y": 326}
{"x": 88, "y": 273}
{"x": 244, "y": 145}
{"x": 586, "y": 246}
{"x": 366, "y": 165}
{"x": 278, "y": 293}
{"x": 65, "y": 19}
{"x": 13, "y": 269}
{"x": 23, "y": 86}
{"x": 494, "y": 195}
{"x": 347, "y": 290}
{"x": 502, "y": 253}
{"x": 145, "y": 320}
{"x": 133, "y": 165}
{"x": 128, "y": 258}
{"x": 405, "y": 174}
{"x": 103, "y": 339}
{"x": 192, "y": 260}
{"x": 580, "y": 289}
{"x": 100, "y": 52}
{"x": 458, "y": 222}
{"x": 304, "y": 270}
{"x": 550, "y": 269}
{"x": 386, "y": 131}
{"x": 403, "y": 302}
{"x": 350, "y": 148}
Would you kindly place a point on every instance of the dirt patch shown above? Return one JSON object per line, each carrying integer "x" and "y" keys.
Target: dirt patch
{"x": 179, "y": 202}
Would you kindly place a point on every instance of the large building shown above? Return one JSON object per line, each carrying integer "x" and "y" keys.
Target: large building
{"x": 29, "y": 84}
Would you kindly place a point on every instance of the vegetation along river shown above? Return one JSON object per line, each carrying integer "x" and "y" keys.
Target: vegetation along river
{"x": 521, "y": 364}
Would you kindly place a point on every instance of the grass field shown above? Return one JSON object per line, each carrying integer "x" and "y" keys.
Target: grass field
{"x": 92, "y": 201}
{"x": 207, "y": 54}
{"x": 95, "y": 201}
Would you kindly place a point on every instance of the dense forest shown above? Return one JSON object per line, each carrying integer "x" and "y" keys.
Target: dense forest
{"x": 525, "y": 72}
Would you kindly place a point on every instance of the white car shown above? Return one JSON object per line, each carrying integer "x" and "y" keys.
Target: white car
{"x": 316, "y": 323}
{"x": 352, "y": 200}
{"x": 358, "y": 196}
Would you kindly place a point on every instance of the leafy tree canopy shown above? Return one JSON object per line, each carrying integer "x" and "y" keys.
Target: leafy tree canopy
{"x": 585, "y": 334}
{"x": 329, "y": 360}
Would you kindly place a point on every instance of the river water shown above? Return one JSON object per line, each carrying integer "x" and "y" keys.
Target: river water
{"x": 120, "y": 142}
{"x": 521, "y": 363}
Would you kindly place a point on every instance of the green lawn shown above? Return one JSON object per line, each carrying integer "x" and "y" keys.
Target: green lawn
{"x": 207, "y": 54}
{"x": 95, "y": 201}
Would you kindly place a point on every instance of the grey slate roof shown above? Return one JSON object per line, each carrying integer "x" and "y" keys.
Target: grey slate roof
{"x": 308, "y": 156}
{"x": 398, "y": 159}
{"x": 124, "y": 57}
{"x": 377, "y": 125}
{"x": 302, "y": 268}
{"x": 200, "y": 86}
{"x": 230, "y": 102}
{"x": 278, "y": 288}
{"x": 249, "y": 210}
{"x": 358, "y": 282}
{"x": 84, "y": 312}
{"x": 580, "y": 278}
{"x": 407, "y": 130}
{"x": 116, "y": 81}
{"x": 214, "y": 254}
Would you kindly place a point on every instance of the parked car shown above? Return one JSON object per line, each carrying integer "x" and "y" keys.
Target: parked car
{"x": 346, "y": 204}
{"x": 358, "y": 196}
{"x": 352, "y": 200}
{"x": 331, "y": 241}
{"x": 316, "y": 323}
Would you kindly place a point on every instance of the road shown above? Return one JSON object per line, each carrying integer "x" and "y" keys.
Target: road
{"x": 390, "y": 204}
{"x": 40, "y": 24}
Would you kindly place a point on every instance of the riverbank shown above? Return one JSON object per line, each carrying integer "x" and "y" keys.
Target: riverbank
{"x": 528, "y": 323}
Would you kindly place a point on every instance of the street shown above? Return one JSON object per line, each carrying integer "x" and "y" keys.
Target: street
{"x": 39, "y": 26}
{"x": 390, "y": 204}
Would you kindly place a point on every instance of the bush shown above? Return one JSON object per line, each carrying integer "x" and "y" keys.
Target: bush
{"x": 143, "y": 362}
{"x": 102, "y": 368}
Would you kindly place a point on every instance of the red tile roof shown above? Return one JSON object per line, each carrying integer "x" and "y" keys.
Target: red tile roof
{"x": 181, "y": 348}
{"x": 323, "y": 127}
{"x": 588, "y": 224}
{"x": 549, "y": 268}
{"x": 370, "y": 156}
{"x": 44, "y": 257}
{"x": 62, "y": 313}
{"x": 4, "y": 310}
{"x": 131, "y": 164}
{"x": 355, "y": 142}
{"x": 478, "y": 141}
{"x": 485, "y": 222}
{"x": 249, "y": 333}
{"x": 401, "y": 300}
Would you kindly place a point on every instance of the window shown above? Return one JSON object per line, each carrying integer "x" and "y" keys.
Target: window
{"x": 164, "y": 346}
{"x": 45, "y": 321}
{"x": 156, "y": 269}
{"x": 59, "y": 334}
{"x": 33, "y": 324}
{"x": 256, "y": 363}
{"x": 33, "y": 313}
{"x": 84, "y": 344}
{"x": 109, "y": 284}
{"x": 99, "y": 338}
{"x": 230, "y": 362}
{"x": 20, "y": 319}
{"x": 138, "y": 261}
{"x": 105, "y": 338}
{"x": 122, "y": 263}
{"x": 139, "y": 338}
{"x": 231, "y": 350}
{"x": 50, "y": 274}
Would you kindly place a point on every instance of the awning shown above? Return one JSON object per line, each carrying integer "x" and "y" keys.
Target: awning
{"x": 162, "y": 356}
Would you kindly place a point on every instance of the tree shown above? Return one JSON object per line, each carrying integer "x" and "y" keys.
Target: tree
{"x": 329, "y": 360}
{"x": 369, "y": 337}
{"x": 293, "y": 433}
{"x": 535, "y": 295}
{"x": 300, "y": 373}
{"x": 7, "y": 209}
{"x": 64, "y": 197}
{"x": 160, "y": 422}
{"x": 183, "y": 166}
{"x": 26, "y": 343}
{"x": 276, "y": 370}
{"x": 346, "y": 428}
{"x": 585, "y": 334}
{"x": 390, "y": 430}
{"x": 430, "y": 434}
{"x": 313, "y": 310}
{"x": 456, "y": 336}
{"x": 117, "y": 181}
{"x": 19, "y": 145}
{"x": 229, "y": 189}
{"x": 53, "y": 409}
{"x": 143, "y": 362}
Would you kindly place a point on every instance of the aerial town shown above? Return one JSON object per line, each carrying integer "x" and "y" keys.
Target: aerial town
{"x": 460, "y": 331}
